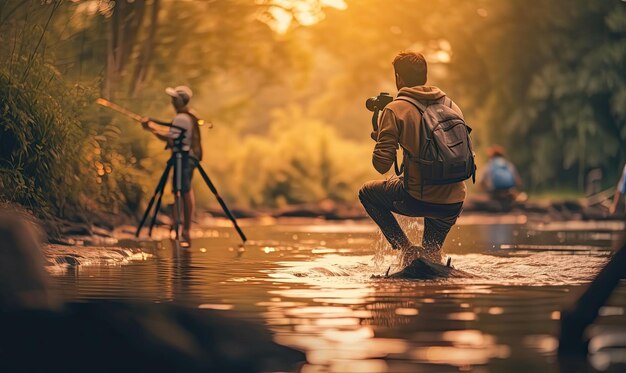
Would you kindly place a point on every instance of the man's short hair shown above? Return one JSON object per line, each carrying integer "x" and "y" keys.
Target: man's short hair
{"x": 184, "y": 98}
{"x": 411, "y": 67}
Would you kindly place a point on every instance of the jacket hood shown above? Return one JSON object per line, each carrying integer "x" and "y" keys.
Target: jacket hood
{"x": 422, "y": 92}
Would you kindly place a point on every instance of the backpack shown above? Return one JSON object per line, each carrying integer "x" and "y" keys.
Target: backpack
{"x": 445, "y": 148}
{"x": 502, "y": 177}
{"x": 196, "y": 144}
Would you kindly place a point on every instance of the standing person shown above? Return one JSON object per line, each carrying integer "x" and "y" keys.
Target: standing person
{"x": 191, "y": 146}
{"x": 401, "y": 125}
{"x": 619, "y": 190}
{"x": 500, "y": 179}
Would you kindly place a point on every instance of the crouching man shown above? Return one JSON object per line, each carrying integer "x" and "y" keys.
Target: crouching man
{"x": 437, "y": 196}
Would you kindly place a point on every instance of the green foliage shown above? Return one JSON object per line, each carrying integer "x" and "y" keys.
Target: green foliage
{"x": 547, "y": 80}
{"x": 40, "y": 141}
{"x": 40, "y": 135}
{"x": 55, "y": 157}
{"x": 300, "y": 160}
{"x": 558, "y": 71}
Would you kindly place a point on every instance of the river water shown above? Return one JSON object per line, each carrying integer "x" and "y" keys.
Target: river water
{"x": 310, "y": 282}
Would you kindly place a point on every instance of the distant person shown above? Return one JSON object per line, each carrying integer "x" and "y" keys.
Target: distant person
{"x": 620, "y": 189}
{"x": 191, "y": 146}
{"x": 410, "y": 195}
{"x": 500, "y": 178}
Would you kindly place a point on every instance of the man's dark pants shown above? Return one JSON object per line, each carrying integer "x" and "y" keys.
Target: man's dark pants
{"x": 382, "y": 197}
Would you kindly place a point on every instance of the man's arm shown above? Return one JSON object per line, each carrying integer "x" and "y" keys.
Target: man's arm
{"x": 618, "y": 193}
{"x": 616, "y": 197}
{"x": 163, "y": 136}
{"x": 386, "y": 142}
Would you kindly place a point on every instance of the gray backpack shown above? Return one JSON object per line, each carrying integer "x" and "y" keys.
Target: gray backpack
{"x": 445, "y": 154}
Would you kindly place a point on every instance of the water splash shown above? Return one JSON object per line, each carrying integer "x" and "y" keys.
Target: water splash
{"x": 414, "y": 229}
{"x": 519, "y": 268}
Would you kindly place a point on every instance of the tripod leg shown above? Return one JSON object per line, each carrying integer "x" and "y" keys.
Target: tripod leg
{"x": 178, "y": 181}
{"x": 220, "y": 200}
{"x": 158, "y": 190}
{"x": 158, "y": 203}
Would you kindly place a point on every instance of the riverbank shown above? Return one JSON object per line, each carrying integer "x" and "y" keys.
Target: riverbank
{"x": 106, "y": 230}
{"x": 542, "y": 210}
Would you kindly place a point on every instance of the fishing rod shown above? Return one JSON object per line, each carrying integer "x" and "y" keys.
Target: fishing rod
{"x": 134, "y": 116}
{"x": 113, "y": 106}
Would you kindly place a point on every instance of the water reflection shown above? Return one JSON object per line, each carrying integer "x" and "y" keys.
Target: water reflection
{"x": 440, "y": 323}
{"x": 545, "y": 344}
{"x": 607, "y": 347}
{"x": 312, "y": 286}
{"x": 462, "y": 348}
{"x": 182, "y": 276}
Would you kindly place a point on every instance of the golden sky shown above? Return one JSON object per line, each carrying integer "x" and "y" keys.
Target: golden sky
{"x": 305, "y": 12}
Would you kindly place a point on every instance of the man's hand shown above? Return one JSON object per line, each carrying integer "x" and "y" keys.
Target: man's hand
{"x": 374, "y": 135}
{"x": 613, "y": 208}
{"x": 145, "y": 123}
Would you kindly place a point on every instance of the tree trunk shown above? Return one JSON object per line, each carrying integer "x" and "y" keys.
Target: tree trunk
{"x": 141, "y": 68}
{"x": 110, "y": 63}
{"x": 132, "y": 21}
{"x": 124, "y": 25}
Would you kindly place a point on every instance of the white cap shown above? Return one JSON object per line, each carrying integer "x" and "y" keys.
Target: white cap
{"x": 181, "y": 91}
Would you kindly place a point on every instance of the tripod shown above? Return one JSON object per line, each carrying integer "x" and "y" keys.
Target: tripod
{"x": 176, "y": 162}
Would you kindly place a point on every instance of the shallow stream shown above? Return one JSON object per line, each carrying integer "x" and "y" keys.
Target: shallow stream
{"x": 311, "y": 283}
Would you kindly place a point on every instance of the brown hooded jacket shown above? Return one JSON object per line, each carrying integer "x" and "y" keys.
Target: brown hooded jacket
{"x": 399, "y": 125}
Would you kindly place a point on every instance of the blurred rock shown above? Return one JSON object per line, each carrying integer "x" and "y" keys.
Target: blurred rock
{"x": 421, "y": 269}
{"x": 41, "y": 334}
{"x": 104, "y": 336}
{"x": 24, "y": 283}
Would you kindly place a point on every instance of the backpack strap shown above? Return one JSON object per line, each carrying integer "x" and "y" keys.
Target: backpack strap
{"x": 406, "y": 158}
{"x": 421, "y": 107}
{"x": 196, "y": 140}
{"x": 398, "y": 169}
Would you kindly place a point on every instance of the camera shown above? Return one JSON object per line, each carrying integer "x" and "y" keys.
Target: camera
{"x": 378, "y": 102}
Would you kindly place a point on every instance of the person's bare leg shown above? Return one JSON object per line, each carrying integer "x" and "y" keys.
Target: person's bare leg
{"x": 188, "y": 204}
{"x": 173, "y": 216}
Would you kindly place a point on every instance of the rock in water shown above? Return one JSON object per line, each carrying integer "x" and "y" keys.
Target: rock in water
{"x": 422, "y": 269}
{"x": 110, "y": 336}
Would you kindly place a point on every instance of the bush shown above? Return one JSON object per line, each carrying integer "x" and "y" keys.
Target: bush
{"x": 300, "y": 160}
{"x": 41, "y": 140}
{"x": 56, "y": 158}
